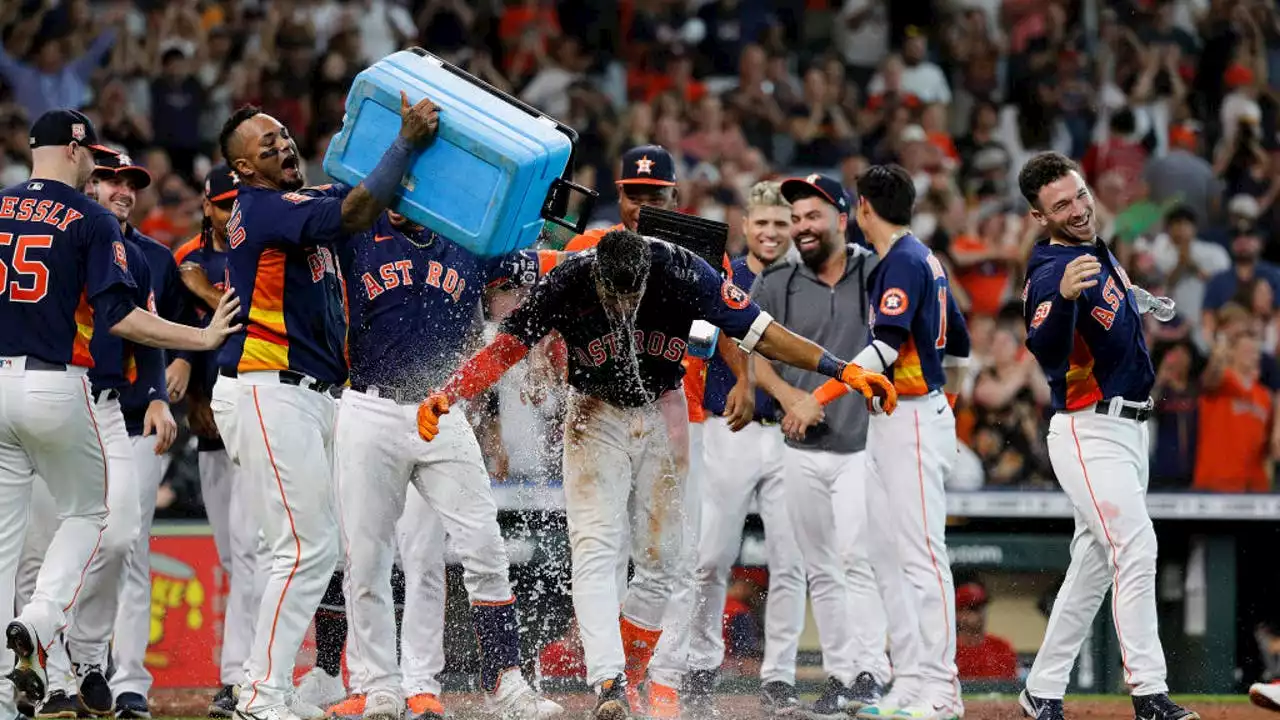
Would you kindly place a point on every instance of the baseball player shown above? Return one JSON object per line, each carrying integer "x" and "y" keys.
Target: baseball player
{"x": 289, "y": 365}
{"x": 916, "y": 332}
{"x": 1085, "y": 329}
{"x": 414, "y": 300}
{"x": 624, "y": 311}
{"x": 742, "y": 463}
{"x": 824, "y": 297}
{"x": 57, "y": 248}
{"x": 221, "y": 484}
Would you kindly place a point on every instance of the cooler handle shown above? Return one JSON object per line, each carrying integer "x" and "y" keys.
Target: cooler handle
{"x": 556, "y": 205}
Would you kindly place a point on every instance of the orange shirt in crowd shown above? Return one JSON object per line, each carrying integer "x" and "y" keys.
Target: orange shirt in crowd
{"x": 943, "y": 142}
{"x": 987, "y": 282}
{"x": 992, "y": 659}
{"x": 1234, "y": 437}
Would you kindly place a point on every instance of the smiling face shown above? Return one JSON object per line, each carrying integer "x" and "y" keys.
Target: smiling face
{"x": 768, "y": 230}
{"x": 633, "y": 196}
{"x": 267, "y": 156}
{"x": 817, "y": 229}
{"x": 1065, "y": 208}
{"x": 116, "y": 194}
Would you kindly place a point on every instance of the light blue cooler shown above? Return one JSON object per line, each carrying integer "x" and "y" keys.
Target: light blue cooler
{"x": 496, "y": 170}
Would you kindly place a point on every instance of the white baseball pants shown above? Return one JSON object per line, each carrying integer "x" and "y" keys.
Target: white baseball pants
{"x": 42, "y": 523}
{"x": 94, "y": 615}
{"x": 379, "y": 454}
{"x": 671, "y": 657}
{"x": 132, "y": 627}
{"x": 737, "y": 467}
{"x": 911, "y": 453}
{"x": 624, "y": 468}
{"x": 421, "y": 538}
{"x": 286, "y": 455}
{"x": 1102, "y": 464}
{"x": 821, "y": 487}
{"x": 48, "y": 425}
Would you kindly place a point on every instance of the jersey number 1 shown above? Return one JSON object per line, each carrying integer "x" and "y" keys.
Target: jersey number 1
{"x": 941, "y": 342}
{"x": 24, "y": 267}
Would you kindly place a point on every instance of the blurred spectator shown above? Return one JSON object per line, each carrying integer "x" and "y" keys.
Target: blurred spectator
{"x": 986, "y": 257}
{"x": 177, "y": 103}
{"x": 920, "y": 77}
{"x": 1246, "y": 255}
{"x": 822, "y": 132}
{"x": 1007, "y": 397}
{"x": 1174, "y": 440}
{"x": 1184, "y": 262}
{"x": 1120, "y": 152}
{"x": 862, "y": 37}
{"x": 56, "y": 73}
{"x": 1182, "y": 175}
{"x": 979, "y": 655}
{"x": 1235, "y": 442}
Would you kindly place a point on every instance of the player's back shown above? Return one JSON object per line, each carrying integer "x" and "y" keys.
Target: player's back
{"x": 54, "y": 243}
{"x": 912, "y": 290}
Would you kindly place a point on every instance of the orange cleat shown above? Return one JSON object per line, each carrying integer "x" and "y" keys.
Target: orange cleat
{"x": 664, "y": 702}
{"x": 425, "y": 706}
{"x": 352, "y": 707}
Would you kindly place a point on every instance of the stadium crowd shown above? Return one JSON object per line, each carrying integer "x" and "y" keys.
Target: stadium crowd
{"x": 1167, "y": 104}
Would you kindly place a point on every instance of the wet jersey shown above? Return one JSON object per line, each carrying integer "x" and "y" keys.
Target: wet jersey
{"x": 910, "y": 292}
{"x": 56, "y": 246}
{"x": 283, "y": 269}
{"x": 414, "y": 302}
{"x": 681, "y": 287}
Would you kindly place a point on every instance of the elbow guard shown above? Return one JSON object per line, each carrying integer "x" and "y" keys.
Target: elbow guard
{"x": 877, "y": 357}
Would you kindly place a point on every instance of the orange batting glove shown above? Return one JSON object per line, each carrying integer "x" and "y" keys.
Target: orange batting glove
{"x": 429, "y": 413}
{"x": 875, "y": 387}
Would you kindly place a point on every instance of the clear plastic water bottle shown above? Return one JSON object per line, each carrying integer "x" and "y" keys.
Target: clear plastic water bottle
{"x": 1159, "y": 306}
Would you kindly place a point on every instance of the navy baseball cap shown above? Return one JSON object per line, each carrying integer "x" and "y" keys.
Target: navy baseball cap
{"x": 221, "y": 184}
{"x": 795, "y": 188}
{"x": 109, "y": 163}
{"x": 648, "y": 165}
{"x": 63, "y": 127}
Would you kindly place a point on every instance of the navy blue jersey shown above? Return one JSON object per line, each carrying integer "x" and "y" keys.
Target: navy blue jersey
{"x": 681, "y": 288}
{"x": 204, "y": 366}
{"x": 115, "y": 360}
{"x": 720, "y": 379}
{"x": 283, "y": 269}
{"x": 56, "y": 247}
{"x": 414, "y": 302}
{"x": 1091, "y": 349}
{"x": 171, "y": 303}
{"x": 910, "y": 291}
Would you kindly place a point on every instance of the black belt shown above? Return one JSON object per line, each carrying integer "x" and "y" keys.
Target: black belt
{"x": 111, "y": 394}
{"x": 35, "y": 363}
{"x": 297, "y": 379}
{"x": 1128, "y": 412}
{"x": 400, "y": 396}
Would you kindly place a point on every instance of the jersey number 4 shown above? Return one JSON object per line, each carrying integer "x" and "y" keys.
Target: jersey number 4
{"x": 33, "y": 272}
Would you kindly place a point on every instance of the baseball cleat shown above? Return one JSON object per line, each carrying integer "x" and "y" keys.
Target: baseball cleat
{"x": 303, "y": 709}
{"x": 223, "y": 704}
{"x": 520, "y": 702}
{"x": 320, "y": 689}
{"x": 28, "y": 674}
{"x": 425, "y": 706}
{"x": 1160, "y": 707}
{"x": 611, "y": 700}
{"x": 383, "y": 705}
{"x": 832, "y": 703}
{"x": 59, "y": 705}
{"x": 351, "y": 707}
{"x": 866, "y": 691}
{"x": 1265, "y": 695}
{"x": 779, "y": 699}
{"x": 132, "y": 706}
{"x": 662, "y": 702}
{"x": 25, "y": 707}
{"x": 95, "y": 693}
{"x": 1039, "y": 708}
{"x": 276, "y": 712}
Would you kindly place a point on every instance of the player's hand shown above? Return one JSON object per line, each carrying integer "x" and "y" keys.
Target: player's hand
{"x": 220, "y": 324}
{"x": 176, "y": 378}
{"x": 159, "y": 422}
{"x": 1076, "y": 278}
{"x": 429, "y": 413}
{"x": 418, "y": 123}
{"x": 740, "y": 406}
{"x": 881, "y": 395}
{"x": 802, "y": 413}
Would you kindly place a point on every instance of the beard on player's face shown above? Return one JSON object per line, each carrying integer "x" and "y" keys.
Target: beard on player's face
{"x": 816, "y": 245}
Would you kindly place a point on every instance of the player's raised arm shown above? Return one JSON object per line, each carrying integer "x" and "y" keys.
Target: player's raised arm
{"x": 1050, "y": 308}
{"x": 134, "y": 323}
{"x": 363, "y": 205}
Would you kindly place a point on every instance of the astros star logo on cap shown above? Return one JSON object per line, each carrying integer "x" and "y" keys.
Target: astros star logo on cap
{"x": 812, "y": 178}
{"x": 77, "y": 131}
{"x": 644, "y": 165}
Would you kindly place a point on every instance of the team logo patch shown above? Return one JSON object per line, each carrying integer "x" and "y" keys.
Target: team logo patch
{"x": 77, "y": 132}
{"x": 295, "y": 198}
{"x": 644, "y": 165}
{"x": 734, "y": 296}
{"x": 151, "y": 303}
{"x": 1042, "y": 312}
{"x": 122, "y": 259}
{"x": 125, "y": 160}
{"x": 893, "y": 302}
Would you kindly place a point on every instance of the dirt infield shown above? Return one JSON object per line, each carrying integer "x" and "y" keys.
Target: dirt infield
{"x": 190, "y": 703}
